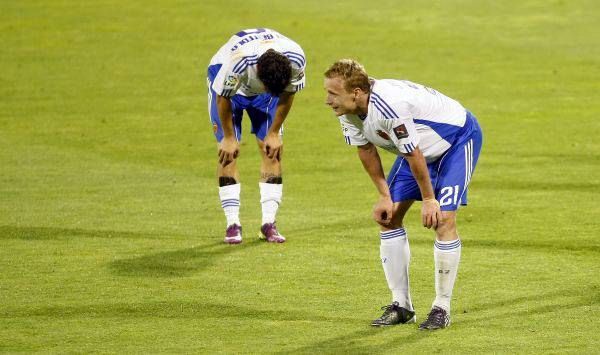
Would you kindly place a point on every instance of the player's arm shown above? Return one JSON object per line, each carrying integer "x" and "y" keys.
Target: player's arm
{"x": 382, "y": 212}
{"x": 430, "y": 211}
{"x": 273, "y": 141}
{"x": 403, "y": 133}
{"x": 229, "y": 146}
{"x": 226, "y": 84}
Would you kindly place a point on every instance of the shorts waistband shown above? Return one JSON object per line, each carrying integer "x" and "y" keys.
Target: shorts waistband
{"x": 471, "y": 125}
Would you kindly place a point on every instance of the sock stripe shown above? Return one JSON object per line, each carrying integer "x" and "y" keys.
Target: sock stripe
{"x": 230, "y": 203}
{"x": 394, "y": 231}
{"x": 448, "y": 246}
{"x": 393, "y": 234}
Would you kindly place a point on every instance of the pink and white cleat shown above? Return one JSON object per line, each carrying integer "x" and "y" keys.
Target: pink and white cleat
{"x": 269, "y": 231}
{"x": 233, "y": 235}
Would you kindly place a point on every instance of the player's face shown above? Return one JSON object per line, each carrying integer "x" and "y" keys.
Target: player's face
{"x": 340, "y": 101}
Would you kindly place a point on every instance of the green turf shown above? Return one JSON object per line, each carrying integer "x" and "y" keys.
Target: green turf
{"x": 110, "y": 225}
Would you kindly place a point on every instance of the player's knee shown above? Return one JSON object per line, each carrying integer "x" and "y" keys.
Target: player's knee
{"x": 226, "y": 180}
{"x": 447, "y": 224}
{"x": 398, "y": 220}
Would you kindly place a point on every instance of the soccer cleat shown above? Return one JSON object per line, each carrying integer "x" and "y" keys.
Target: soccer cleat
{"x": 436, "y": 319}
{"x": 233, "y": 235}
{"x": 394, "y": 314}
{"x": 270, "y": 233}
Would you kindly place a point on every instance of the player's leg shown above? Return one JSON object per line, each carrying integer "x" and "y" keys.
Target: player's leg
{"x": 447, "y": 249}
{"x": 229, "y": 193}
{"x": 394, "y": 248}
{"x": 271, "y": 192}
{"x": 455, "y": 172}
{"x": 228, "y": 176}
{"x": 446, "y": 255}
{"x": 270, "y": 184}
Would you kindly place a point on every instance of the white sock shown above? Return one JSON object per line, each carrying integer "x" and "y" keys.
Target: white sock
{"x": 270, "y": 198}
{"x": 446, "y": 255}
{"x": 230, "y": 201}
{"x": 395, "y": 258}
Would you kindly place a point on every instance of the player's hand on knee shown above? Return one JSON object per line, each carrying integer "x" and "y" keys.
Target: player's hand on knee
{"x": 272, "y": 153}
{"x": 382, "y": 211}
{"x": 229, "y": 149}
{"x": 431, "y": 213}
{"x": 273, "y": 146}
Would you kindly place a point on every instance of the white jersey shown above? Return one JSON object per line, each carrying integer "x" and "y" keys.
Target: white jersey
{"x": 239, "y": 56}
{"x": 403, "y": 115}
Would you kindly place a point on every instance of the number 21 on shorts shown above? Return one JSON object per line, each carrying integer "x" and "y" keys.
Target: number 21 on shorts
{"x": 449, "y": 195}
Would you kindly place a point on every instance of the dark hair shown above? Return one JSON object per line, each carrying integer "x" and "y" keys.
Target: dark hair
{"x": 274, "y": 71}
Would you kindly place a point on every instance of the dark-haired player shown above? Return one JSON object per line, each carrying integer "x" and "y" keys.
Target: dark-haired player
{"x": 258, "y": 70}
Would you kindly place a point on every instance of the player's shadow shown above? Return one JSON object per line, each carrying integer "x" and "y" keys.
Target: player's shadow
{"x": 204, "y": 312}
{"x": 541, "y": 303}
{"x": 52, "y": 233}
{"x": 164, "y": 264}
{"x": 177, "y": 262}
{"x": 172, "y": 310}
{"x": 400, "y": 337}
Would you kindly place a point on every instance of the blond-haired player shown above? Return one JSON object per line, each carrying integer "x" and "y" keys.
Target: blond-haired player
{"x": 437, "y": 142}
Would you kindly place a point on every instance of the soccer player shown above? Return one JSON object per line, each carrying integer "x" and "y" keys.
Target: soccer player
{"x": 258, "y": 70}
{"x": 438, "y": 143}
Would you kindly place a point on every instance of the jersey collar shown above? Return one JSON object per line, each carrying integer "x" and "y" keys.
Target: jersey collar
{"x": 372, "y": 82}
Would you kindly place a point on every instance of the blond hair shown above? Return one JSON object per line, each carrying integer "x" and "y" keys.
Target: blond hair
{"x": 352, "y": 72}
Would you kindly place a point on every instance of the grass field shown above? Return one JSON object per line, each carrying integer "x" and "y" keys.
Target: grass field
{"x": 111, "y": 227}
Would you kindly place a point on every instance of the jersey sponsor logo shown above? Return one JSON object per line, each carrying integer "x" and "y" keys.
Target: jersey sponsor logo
{"x": 231, "y": 81}
{"x": 383, "y": 135}
{"x": 401, "y": 131}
